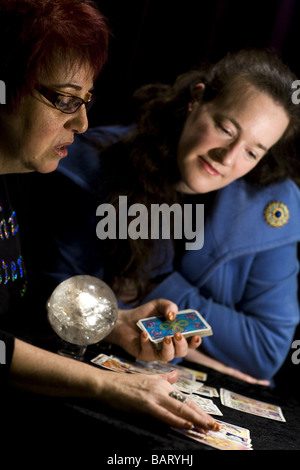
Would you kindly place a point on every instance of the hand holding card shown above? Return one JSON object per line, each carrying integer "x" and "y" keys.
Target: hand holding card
{"x": 187, "y": 322}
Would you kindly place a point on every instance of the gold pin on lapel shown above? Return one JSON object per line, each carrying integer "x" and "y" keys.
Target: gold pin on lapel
{"x": 276, "y": 214}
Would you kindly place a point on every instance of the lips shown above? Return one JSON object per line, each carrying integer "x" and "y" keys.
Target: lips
{"x": 208, "y": 167}
{"x": 61, "y": 149}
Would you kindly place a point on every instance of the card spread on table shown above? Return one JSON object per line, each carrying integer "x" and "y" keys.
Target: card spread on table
{"x": 249, "y": 405}
{"x": 230, "y": 436}
{"x": 187, "y": 322}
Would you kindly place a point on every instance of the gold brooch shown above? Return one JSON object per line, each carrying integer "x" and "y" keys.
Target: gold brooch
{"x": 276, "y": 214}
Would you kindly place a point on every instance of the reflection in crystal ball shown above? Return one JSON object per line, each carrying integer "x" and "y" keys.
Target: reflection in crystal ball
{"x": 82, "y": 310}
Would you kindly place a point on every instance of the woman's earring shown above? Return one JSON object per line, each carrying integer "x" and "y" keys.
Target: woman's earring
{"x": 190, "y": 107}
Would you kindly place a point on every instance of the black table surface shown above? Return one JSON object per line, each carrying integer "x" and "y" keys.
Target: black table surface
{"x": 35, "y": 421}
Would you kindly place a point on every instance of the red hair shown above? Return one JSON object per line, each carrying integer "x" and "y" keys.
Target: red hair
{"x": 36, "y": 36}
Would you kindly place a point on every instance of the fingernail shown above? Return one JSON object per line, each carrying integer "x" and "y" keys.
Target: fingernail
{"x": 188, "y": 425}
{"x": 171, "y": 316}
{"x": 145, "y": 334}
{"x": 167, "y": 340}
{"x": 178, "y": 336}
{"x": 213, "y": 426}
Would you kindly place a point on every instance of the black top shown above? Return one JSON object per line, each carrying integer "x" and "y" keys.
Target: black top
{"x": 12, "y": 272}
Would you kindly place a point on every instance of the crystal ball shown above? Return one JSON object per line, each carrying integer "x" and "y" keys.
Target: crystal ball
{"x": 82, "y": 310}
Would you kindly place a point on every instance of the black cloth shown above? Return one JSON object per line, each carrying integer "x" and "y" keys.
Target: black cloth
{"x": 100, "y": 432}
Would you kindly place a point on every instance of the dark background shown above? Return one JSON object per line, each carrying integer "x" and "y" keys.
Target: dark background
{"x": 155, "y": 40}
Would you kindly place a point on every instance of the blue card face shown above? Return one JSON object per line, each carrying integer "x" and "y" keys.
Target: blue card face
{"x": 187, "y": 322}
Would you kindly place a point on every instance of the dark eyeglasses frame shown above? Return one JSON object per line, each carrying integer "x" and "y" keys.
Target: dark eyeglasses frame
{"x": 52, "y": 96}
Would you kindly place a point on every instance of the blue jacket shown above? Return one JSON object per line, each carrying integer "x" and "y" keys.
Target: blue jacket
{"x": 243, "y": 281}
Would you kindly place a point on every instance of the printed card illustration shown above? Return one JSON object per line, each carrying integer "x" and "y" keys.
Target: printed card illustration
{"x": 187, "y": 322}
{"x": 250, "y": 405}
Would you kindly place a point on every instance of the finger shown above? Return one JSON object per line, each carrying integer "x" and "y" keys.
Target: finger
{"x": 170, "y": 418}
{"x": 151, "y": 353}
{"x": 171, "y": 376}
{"x": 195, "y": 342}
{"x": 167, "y": 351}
{"x": 180, "y": 344}
{"x": 252, "y": 380}
{"x": 189, "y": 415}
{"x": 210, "y": 423}
{"x": 148, "y": 352}
{"x": 265, "y": 383}
{"x": 166, "y": 308}
{"x": 245, "y": 377}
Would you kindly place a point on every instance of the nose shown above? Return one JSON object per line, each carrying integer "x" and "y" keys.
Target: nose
{"x": 225, "y": 155}
{"x": 78, "y": 122}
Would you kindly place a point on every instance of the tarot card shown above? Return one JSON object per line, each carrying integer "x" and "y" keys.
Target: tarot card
{"x": 183, "y": 372}
{"x": 159, "y": 366}
{"x": 187, "y": 322}
{"x": 133, "y": 367}
{"x": 235, "y": 433}
{"x": 249, "y": 405}
{"x": 213, "y": 439}
{"x": 185, "y": 385}
{"x": 198, "y": 375}
{"x": 115, "y": 364}
{"x": 110, "y": 363}
{"x": 206, "y": 404}
{"x": 186, "y": 372}
{"x": 206, "y": 391}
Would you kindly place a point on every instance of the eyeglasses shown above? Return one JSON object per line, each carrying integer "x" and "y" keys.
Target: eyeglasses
{"x": 67, "y": 104}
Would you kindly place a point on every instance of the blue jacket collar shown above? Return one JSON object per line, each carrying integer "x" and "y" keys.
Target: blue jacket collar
{"x": 242, "y": 218}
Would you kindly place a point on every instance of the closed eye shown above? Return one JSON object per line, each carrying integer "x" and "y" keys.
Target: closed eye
{"x": 252, "y": 154}
{"x": 224, "y": 129}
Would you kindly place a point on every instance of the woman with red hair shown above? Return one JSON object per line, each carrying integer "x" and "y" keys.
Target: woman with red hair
{"x": 51, "y": 53}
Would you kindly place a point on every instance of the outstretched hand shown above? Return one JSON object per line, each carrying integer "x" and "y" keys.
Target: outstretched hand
{"x": 201, "y": 358}
{"x": 46, "y": 373}
{"x": 150, "y": 394}
{"x": 127, "y": 334}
